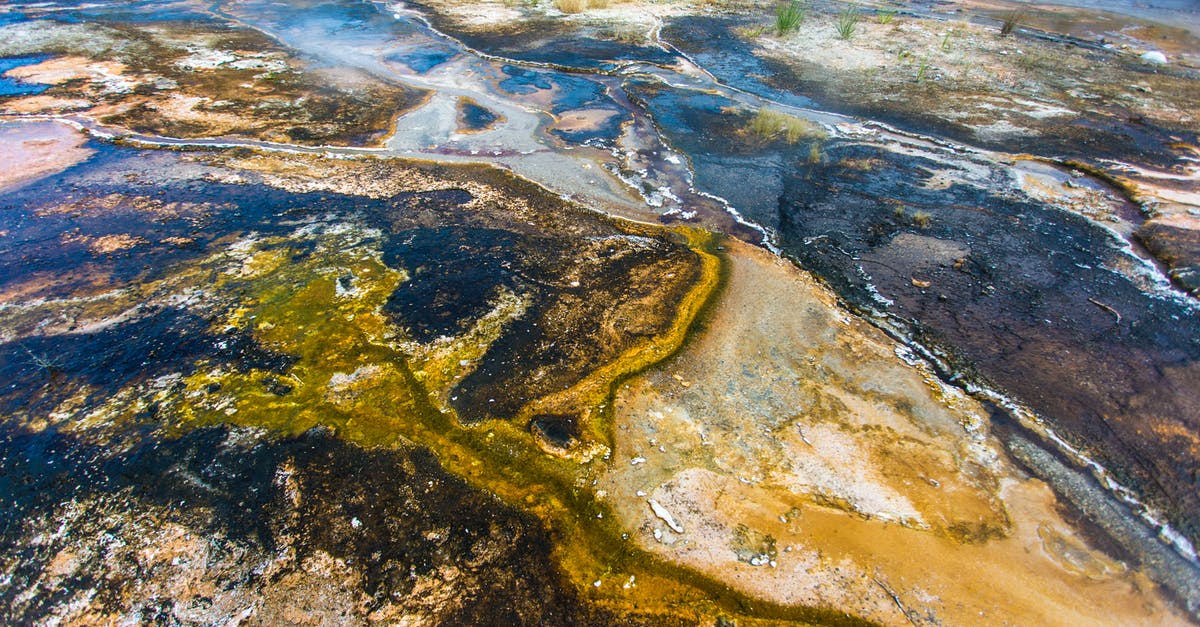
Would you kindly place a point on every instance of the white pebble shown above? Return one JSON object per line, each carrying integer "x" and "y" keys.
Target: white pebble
{"x": 1154, "y": 57}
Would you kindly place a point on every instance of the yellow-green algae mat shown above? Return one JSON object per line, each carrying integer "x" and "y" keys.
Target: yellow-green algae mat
{"x": 313, "y": 287}
{"x": 354, "y": 376}
{"x": 358, "y": 374}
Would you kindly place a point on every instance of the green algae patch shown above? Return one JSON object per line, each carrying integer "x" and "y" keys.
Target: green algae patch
{"x": 355, "y": 375}
{"x": 322, "y": 301}
{"x": 516, "y": 307}
{"x": 368, "y": 316}
{"x": 322, "y": 308}
{"x": 592, "y": 396}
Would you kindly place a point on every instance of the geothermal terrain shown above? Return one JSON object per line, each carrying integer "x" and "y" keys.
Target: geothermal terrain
{"x": 592, "y": 312}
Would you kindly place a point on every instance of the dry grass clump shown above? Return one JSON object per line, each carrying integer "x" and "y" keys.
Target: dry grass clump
{"x": 579, "y": 6}
{"x": 1012, "y": 21}
{"x": 770, "y": 125}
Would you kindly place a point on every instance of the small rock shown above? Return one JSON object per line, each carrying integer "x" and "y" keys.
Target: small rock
{"x": 664, "y": 515}
{"x": 1155, "y": 57}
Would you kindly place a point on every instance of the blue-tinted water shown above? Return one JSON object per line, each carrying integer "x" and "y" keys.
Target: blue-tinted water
{"x": 14, "y": 87}
{"x": 423, "y": 60}
{"x": 11, "y": 18}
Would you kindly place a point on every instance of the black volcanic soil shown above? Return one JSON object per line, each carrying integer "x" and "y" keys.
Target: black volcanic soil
{"x": 226, "y": 522}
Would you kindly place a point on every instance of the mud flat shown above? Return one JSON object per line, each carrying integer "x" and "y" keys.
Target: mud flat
{"x": 905, "y": 234}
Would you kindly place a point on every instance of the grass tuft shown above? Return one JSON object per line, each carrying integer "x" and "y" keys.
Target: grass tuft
{"x": 885, "y": 16}
{"x": 1011, "y": 21}
{"x": 922, "y": 219}
{"x": 814, "y": 153}
{"x": 789, "y": 16}
{"x": 750, "y": 32}
{"x": 770, "y": 125}
{"x": 846, "y": 22}
{"x": 597, "y": 4}
{"x": 571, "y": 6}
{"x": 922, "y": 69}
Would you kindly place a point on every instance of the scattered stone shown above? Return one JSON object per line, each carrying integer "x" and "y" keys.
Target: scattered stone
{"x": 664, "y": 515}
{"x": 1155, "y": 57}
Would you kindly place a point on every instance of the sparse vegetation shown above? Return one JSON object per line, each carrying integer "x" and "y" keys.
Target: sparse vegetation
{"x": 1035, "y": 60}
{"x": 861, "y": 164}
{"x": 771, "y": 125}
{"x": 750, "y": 32}
{"x": 1011, "y": 21}
{"x": 946, "y": 41}
{"x": 789, "y": 16}
{"x": 847, "y": 21}
{"x": 920, "y": 219}
{"x": 43, "y": 361}
{"x": 922, "y": 69}
{"x": 597, "y": 4}
{"x": 571, "y": 6}
{"x": 885, "y": 16}
{"x": 814, "y": 153}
